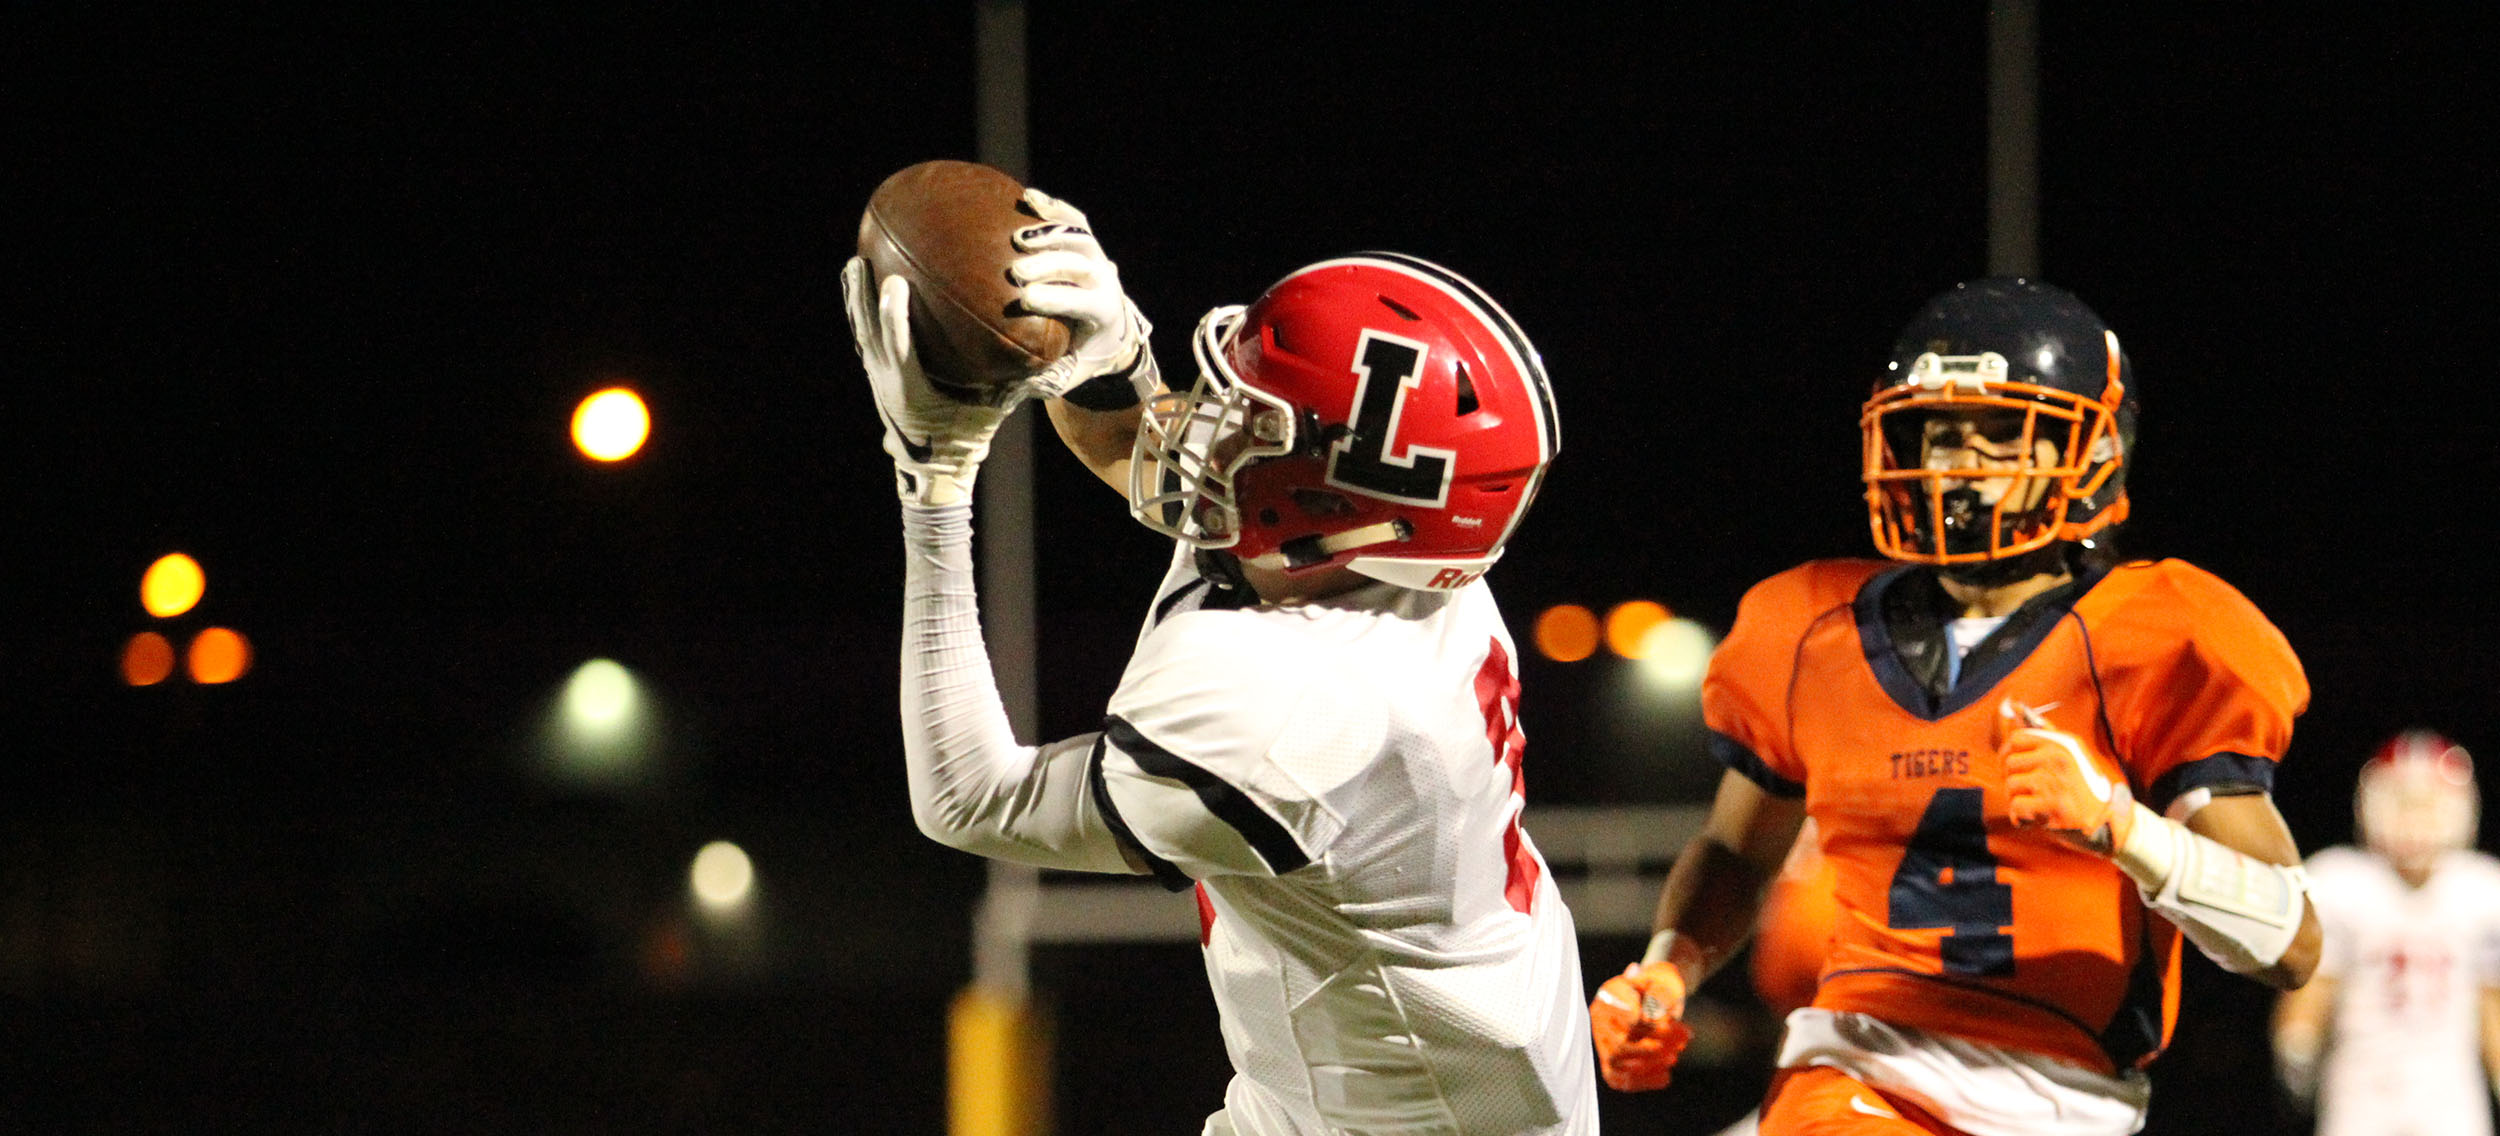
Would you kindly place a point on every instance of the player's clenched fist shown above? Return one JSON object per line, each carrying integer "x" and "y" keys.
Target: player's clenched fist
{"x": 1638, "y": 1024}
{"x": 2054, "y": 781}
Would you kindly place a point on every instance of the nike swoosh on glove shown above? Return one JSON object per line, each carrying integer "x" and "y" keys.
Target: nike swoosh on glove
{"x": 2053, "y": 780}
{"x": 937, "y": 442}
{"x": 1637, "y": 1024}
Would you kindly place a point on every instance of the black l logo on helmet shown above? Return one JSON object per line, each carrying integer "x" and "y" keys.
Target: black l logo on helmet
{"x": 1367, "y": 461}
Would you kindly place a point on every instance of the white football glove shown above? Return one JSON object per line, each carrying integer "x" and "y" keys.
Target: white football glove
{"x": 1065, "y": 275}
{"x": 937, "y": 442}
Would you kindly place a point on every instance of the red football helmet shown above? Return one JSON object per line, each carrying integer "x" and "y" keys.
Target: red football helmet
{"x": 2416, "y": 799}
{"x": 1376, "y": 411}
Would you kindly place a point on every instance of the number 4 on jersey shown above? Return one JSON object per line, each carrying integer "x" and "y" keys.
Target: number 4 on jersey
{"x": 1949, "y": 879}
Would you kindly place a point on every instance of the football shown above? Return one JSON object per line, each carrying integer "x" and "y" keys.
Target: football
{"x": 948, "y": 227}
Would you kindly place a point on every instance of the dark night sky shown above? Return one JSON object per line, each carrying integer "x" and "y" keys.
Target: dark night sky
{"x": 310, "y": 296}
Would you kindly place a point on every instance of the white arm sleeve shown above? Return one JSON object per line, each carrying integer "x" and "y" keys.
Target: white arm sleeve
{"x": 973, "y": 786}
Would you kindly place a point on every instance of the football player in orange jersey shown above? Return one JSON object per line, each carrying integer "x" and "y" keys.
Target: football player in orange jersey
{"x": 2032, "y": 766}
{"x": 1790, "y": 939}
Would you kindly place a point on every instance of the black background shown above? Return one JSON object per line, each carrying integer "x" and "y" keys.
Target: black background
{"x": 311, "y": 294}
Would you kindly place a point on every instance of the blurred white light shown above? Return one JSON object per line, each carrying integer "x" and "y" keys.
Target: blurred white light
{"x": 1675, "y": 653}
{"x": 604, "y": 729}
{"x": 599, "y": 698}
{"x": 722, "y": 877}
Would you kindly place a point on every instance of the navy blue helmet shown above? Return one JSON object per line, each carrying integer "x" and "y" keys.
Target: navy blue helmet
{"x": 2001, "y": 426}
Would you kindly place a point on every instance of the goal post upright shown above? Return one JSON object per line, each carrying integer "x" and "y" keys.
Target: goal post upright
{"x": 998, "y": 1041}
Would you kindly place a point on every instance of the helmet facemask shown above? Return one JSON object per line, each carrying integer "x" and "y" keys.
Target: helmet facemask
{"x": 1965, "y": 465}
{"x": 1190, "y": 446}
{"x": 1192, "y": 449}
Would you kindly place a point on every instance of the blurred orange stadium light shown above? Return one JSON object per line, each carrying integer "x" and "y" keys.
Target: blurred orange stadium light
{"x": 1566, "y": 633}
{"x": 147, "y": 659}
{"x": 218, "y": 655}
{"x": 611, "y": 425}
{"x": 1629, "y": 624}
{"x": 172, "y": 585}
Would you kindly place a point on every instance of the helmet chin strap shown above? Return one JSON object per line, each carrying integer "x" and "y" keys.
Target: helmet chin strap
{"x": 1303, "y": 552}
{"x": 1223, "y": 569}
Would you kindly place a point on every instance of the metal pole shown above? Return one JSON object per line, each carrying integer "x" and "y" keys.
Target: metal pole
{"x": 2013, "y": 137}
{"x": 998, "y": 1048}
{"x": 1006, "y": 490}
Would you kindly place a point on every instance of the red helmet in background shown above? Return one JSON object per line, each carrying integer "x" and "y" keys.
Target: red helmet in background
{"x": 2417, "y": 798}
{"x": 1376, "y": 411}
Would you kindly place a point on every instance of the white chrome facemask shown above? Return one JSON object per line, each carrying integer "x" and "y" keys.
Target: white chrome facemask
{"x": 1190, "y": 446}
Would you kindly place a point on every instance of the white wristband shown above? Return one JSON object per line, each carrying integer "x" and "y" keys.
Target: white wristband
{"x": 2242, "y": 912}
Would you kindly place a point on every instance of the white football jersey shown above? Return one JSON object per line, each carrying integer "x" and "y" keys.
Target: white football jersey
{"x": 2410, "y": 965}
{"x": 1387, "y": 950}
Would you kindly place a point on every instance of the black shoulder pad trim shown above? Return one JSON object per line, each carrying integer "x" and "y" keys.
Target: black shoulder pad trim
{"x": 1264, "y": 833}
{"x": 1165, "y": 872}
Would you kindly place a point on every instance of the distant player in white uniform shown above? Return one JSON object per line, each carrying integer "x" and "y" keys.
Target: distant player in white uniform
{"x": 2399, "y": 1032}
{"x": 1319, "y": 729}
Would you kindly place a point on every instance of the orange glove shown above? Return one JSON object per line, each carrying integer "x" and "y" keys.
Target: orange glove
{"x": 2054, "y": 781}
{"x": 1637, "y": 1022}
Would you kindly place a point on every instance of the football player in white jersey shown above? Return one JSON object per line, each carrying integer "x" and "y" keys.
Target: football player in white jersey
{"x": 1319, "y": 730}
{"x": 2399, "y": 1032}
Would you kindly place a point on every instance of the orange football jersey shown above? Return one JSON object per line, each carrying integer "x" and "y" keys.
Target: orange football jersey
{"x": 1950, "y": 919}
{"x": 1794, "y": 931}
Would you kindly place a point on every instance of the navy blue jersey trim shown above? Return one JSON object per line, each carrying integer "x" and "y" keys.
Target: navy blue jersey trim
{"x": 1981, "y": 678}
{"x": 1265, "y": 835}
{"x": 1734, "y": 755}
{"x": 1882, "y": 657}
{"x": 1165, "y": 872}
{"x": 2223, "y": 773}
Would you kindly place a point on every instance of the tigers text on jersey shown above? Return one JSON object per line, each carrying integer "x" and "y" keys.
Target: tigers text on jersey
{"x": 1952, "y": 921}
{"x": 2409, "y": 966}
{"x": 1341, "y": 778}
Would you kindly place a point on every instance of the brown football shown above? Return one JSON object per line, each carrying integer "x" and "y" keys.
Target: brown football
{"x": 949, "y": 227}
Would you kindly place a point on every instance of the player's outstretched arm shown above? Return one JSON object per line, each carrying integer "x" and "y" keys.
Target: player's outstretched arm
{"x": 1708, "y": 907}
{"x": 1105, "y": 440}
{"x": 973, "y": 786}
{"x": 2301, "y": 1019}
{"x": 2491, "y": 1038}
{"x": 1097, "y": 390}
{"x": 2227, "y": 874}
